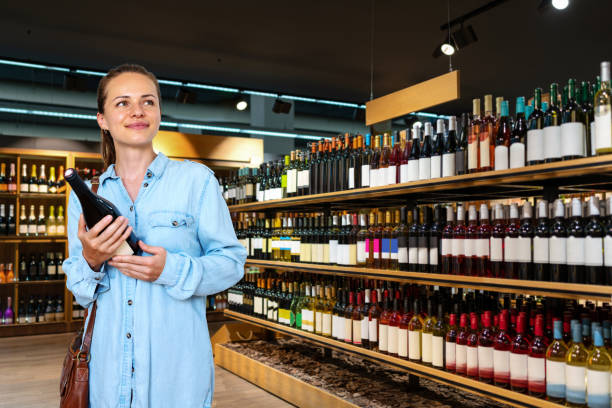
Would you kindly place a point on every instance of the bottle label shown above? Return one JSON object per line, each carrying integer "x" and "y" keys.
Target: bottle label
{"x": 427, "y": 347}
{"x": 437, "y": 352}
{"x": 341, "y": 328}
{"x": 24, "y": 187}
{"x": 473, "y": 155}
{"x": 402, "y": 255}
{"x": 575, "y": 384}
{"x": 485, "y": 360}
{"x": 404, "y": 177}
{"x": 557, "y": 250}
{"x": 485, "y": 154}
{"x": 472, "y": 360}
{"x": 394, "y": 249}
{"x": 575, "y": 250}
{"x": 535, "y": 145}
{"x": 306, "y": 182}
{"x": 414, "y": 345}
{"x": 482, "y": 247}
{"x": 365, "y": 175}
{"x": 510, "y": 249}
{"x": 402, "y": 346}
{"x": 291, "y": 181}
{"x": 393, "y": 339}
{"x": 351, "y": 178}
{"x": 523, "y": 249}
{"x": 384, "y": 337}
{"x": 461, "y": 358}
{"x": 413, "y": 255}
{"x": 51, "y": 270}
{"x": 284, "y": 317}
{"x": 458, "y": 246}
{"x": 436, "y": 167}
{"x": 598, "y": 388}
{"x": 593, "y": 251}
{"x": 386, "y": 248}
{"x": 333, "y": 251}
{"x": 433, "y": 256}
{"x": 608, "y": 250}
{"x": 424, "y": 168}
{"x": 327, "y": 324}
{"x": 364, "y": 328}
{"x": 307, "y": 319}
{"x": 449, "y": 353}
{"x": 518, "y": 366}
{"x": 391, "y": 175}
{"x": 540, "y": 250}
{"x": 381, "y": 175}
{"x": 422, "y": 256}
{"x": 517, "y": 155}
{"x": 348, "y": 330}
{"x": 357, "y": 332}
{"x": 603, "y": 127}
{"x": 373, "y": 330}
{"x": 33, "y": 188}
{"x": 373, "y": 177}
{"x": 446, "y": 245}
{"x": 469, "y": 247}
{"x": 552, "y": 142}
{"x": 573, "y": 139}
{"x": 501, "y": 363}
{"x": 448, "y": 164}
{"x": 413, "y": 170}
{"x": 536, "y": 369}
{"x": 501, "y": 157}
{"x": 361, "y": 252}
{"x": 23, "y": 229}
{"x": 555, "y": 379}
{"x": 334, "y": 326}
{"x": 32, "y": 229}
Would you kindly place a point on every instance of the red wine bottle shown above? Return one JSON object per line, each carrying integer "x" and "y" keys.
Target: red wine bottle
{"x": 95, "y": 208}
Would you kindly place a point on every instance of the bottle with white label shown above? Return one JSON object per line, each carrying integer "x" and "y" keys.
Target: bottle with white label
{"x": 473, "y": 138}
{"x": 427, "y": 334}
{"x": 602, "y": 108}
{"x": 519, "y": 135}
{"x": 348, "y": 318}
{"x": 362, "y": 236}
{"x": 541, "y": 243}
{"x": 383, "y": 325}
{"x": 536, "y": 362}
{"x": 471, "y": 242}
{"x": 450, "y": 342}
{"x": 573, "y": 131}
{"x": 404, "y": 155}
{"x": 524, "y": 243}
{"x": 415, "y": 155}
{"x": 586, "y": 106}
{"x": 438, "y": 338}
{"x": 436, "y": 150}
{"x": 552, "y": 127}
{"x": 446, "y": 243}
{"x": 435, "y": 235}
{"x": 413, "y": 241}
{"x": 535, "y": 134}
{"x": 415, "y": 329}
{"x": 423, "y": 240}
{"x": 461, "y": 346}
{"x": 518, "y": 356}
{"x": 486, "y": 349}
{"x": 393, "y": 339}
{"x": 575, "y": 247}
{"x": 593, "y": 245}
{"x": 599, "y": 364}
{"x": 400, "y": 233}
{"x": 472, "y": 348}
{"x": 458, "y": 246}
{"x": 365, "y": 162}
{"x": 555, "y": 365}
{"x": 502, "y": 139}
{"x": 511, "y": 243}
{"x": 501, "y": 352}
{"x": 575, "y": 369}
{"x": 557, "y": 254}
{"x": 498, "y": 234}
{"x": 483, "y": 251}
{"x": 486, "y": 146}
{"x": 357, "y": 318}
{"x": 608, "y": 243}
{"x": 373, "y": 317}
{"x": 23, "y": 221}
{"x": 402, "y": 330}
{"x": 450, "y": 148}
{"x": 425, "y": 157}
{"x": 334, "y": 233}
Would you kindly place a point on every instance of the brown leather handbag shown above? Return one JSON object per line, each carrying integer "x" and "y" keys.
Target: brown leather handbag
{"x": 74, "y": 383}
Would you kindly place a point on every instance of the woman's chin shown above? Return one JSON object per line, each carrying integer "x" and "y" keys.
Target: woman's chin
{"x": 135, "y": 138}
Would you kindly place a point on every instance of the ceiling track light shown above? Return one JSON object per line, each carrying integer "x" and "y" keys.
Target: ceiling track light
{"x": 241, "y": 104}
{"x": 459, "y": 39}
{"x": 281, "y": 106}
{"x": 546, "y": 5}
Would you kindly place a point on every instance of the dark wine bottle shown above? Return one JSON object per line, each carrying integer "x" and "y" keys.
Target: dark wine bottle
{"x": 608, "y": 243}
{"x": 557, "y": 253}
{"x": 541, "y": 243}
{"x": 95, "y": 208}
{"x": 575, "y": 244}
{"x": 593, "y": 245}
{"x": 525, "y": 243}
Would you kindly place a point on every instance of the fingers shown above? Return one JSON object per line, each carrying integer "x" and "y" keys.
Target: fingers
{"x": 150, "y": 249}
{"x": 117, "y": 226}
{"x": 130, "y": 266}
{"x": 119, "y": 240}
{"x": 99, "y": 227}
{"x": 134, "y": 260}
{"x": 136, "y": 275}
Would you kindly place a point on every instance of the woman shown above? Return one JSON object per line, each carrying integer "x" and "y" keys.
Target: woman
{"x": 151, "y": 346}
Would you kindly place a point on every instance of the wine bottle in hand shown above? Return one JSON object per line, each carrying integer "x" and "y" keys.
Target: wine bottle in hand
{"x": 95, "y": 208}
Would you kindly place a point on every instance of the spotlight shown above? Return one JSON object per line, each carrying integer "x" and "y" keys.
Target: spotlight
{"x": 546, "y": 5}
{"x": 281, "y": 107}
{"x": 242, "y": 104}
{"x": 447, "y": 49}
{"x": 459, "y": 39}
{"x": 560, "y": 4}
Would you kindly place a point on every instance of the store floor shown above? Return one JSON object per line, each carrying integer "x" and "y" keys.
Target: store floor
{"x": 30, "y": 368}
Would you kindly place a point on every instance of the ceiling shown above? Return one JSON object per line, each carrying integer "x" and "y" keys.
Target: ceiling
{"x": 316, "y": 48}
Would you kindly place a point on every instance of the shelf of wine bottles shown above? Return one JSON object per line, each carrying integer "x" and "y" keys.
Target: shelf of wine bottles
{"x": 544, "y": 347}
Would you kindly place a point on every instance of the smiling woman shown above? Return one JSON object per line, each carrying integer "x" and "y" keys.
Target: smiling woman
{"x": 139, "y": 357}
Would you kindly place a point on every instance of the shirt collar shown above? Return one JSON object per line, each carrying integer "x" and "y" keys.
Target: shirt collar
{"x": 156, "y": 168}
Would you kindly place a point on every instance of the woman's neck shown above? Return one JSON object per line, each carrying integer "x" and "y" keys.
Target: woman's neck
{"x": 132, "y": 162}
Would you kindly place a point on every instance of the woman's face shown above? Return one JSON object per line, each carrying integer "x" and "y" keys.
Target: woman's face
{"x": 131, "y": 110}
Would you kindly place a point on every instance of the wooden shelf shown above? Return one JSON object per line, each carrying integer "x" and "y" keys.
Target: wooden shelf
{"x": 444, "y": 377}
{"x": 29, "y": 329}
{"x": 538, "y": 288}
{"x": 14, "y": 239}
{"x": 37, "y": 282}
{"x": 42, "y": 195}
{"x": 8, "y": 195}
{"x": 592, "y": 173}
{"x": 215, "y": 316}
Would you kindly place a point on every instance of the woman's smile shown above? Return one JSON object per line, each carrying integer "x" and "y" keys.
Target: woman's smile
{"x": 138, "y": 125}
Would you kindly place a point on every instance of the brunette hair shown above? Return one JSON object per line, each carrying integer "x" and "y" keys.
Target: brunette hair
{"x": 108, "y": 147}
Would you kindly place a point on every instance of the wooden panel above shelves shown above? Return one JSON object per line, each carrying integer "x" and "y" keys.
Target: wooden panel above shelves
{"x": 592, "y": 173}
{"x": 538, "y": 288}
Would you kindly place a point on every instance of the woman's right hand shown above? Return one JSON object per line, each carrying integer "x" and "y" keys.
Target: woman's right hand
{"x": 100, "y": 244}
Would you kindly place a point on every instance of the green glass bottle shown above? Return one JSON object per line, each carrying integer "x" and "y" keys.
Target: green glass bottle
{"x": 599, "y": 365}
{"x": 555, "y": 365}
{"x": 573, "y": 131}
{"x": 575, "y": 370}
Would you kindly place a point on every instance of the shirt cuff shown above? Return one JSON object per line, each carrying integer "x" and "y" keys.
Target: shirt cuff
{"x": 170, "y": 274}
{"x": 98, "y": 281}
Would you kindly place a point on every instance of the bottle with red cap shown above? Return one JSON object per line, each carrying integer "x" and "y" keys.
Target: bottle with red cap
{"x": 501, "y": 352}
{"x": 536, "y": 361}
{"x": 518, "y": 356}
{"x": 485, "y": 349}
{"x": 446, "y": 243}
{"x": 450, "y": 341}
{"x": 458, "y": 246}
{"x": 472, "y": 347}
{"x": 461, "y": 346}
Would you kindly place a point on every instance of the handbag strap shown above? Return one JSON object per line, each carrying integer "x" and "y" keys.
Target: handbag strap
{"x": 95, "y": 183}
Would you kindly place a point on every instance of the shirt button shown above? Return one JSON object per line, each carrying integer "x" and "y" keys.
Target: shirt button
{"x": 130, "y": 302}
{"x": 174, "y": 223}
{"x": 131, "y": 208}
{"x": 149, "y": 174}
{"x": 129, "y": 336}
{"x": 146, "y": 184}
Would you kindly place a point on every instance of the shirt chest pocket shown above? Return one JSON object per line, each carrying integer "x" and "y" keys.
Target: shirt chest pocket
{"x": 175, "y": 231}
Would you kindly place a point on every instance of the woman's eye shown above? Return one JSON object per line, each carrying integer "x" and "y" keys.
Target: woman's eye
{"x": 121, "y": 103}
{"x": 150, "y": 102}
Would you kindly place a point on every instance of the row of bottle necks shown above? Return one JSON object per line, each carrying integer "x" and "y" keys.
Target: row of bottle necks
{"x": 50, "y": 224}
{"x": 543, "y": 346}
{"x": 35, "y": 310}
{"x": 561, "y": 241}
{"x": 41, "y": 267}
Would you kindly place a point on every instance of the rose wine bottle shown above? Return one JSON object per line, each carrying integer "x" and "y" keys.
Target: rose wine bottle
{"x": 446, "y": 243}
{"x": 485, "y": 349}
{"x": 501, "y": 352}
{"x": 415, "y": 329}
{"x": 536, "y": 362}
{"x": 383, "y": 326}
{"x": 472, "y": 347}
{"x": 402, "y": 337}
{"x": 373, "y": 318}
{"x": 427, "y": 333}
{"x": 519, "y": 351}
{"x": 394, "y": 321}
{"x": 450, "y": 342}
{"x": 497, "y": 242}
{"x": 483, "y": 267}
{"x": 458, "y": 246}
{"x": 95, "y": 208}
{"x": 461, "y": 348}
{"x": 511, "y": 243}
{"x": 437, "y": 339}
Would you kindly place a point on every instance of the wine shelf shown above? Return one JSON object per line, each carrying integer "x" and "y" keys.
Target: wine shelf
{"x": 14, "y": 239}
{"x": 538, "y": 288}
{"x": 592, "y": 173}
{"x": 454, "y": 380}
{"x": 38, "y": 282}
{"x": 42, "y": 195}
{"x": 27, "y": 329}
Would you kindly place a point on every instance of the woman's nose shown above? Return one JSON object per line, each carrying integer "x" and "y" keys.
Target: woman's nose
{"x": 137, "y": 110}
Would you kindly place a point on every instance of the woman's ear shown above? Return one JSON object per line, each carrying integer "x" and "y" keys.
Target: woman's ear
{"x": 101, "y": 121}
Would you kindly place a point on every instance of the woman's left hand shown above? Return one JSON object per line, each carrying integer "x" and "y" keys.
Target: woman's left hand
{"x": 146, "y": 268}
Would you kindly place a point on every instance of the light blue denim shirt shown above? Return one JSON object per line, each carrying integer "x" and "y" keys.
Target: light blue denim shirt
{"x": 151, "y": 338}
